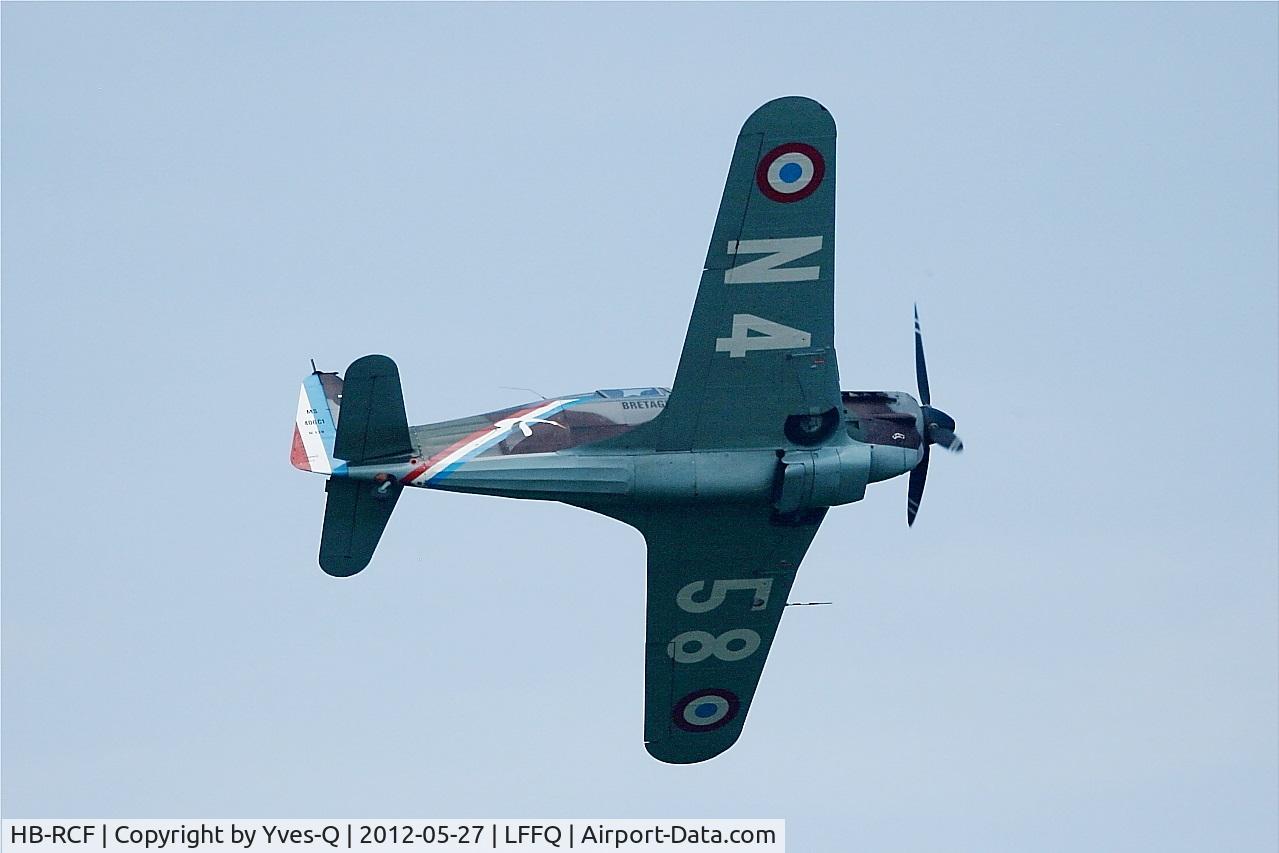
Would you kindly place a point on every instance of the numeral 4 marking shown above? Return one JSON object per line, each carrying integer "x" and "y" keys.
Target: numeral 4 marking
{"x": 769, "y": 335}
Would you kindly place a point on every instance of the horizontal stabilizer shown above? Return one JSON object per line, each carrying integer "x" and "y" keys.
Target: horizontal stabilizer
{"x": 355, "y": 515}
{"x": 373, "y": 427}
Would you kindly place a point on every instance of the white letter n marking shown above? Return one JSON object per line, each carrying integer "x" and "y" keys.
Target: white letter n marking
{"x": 776, "y": 252}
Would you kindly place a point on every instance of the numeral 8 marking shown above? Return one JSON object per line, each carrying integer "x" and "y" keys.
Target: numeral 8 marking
{"x": 730, "y": 646}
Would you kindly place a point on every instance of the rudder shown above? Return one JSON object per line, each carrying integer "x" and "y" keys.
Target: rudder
{"x": 315, "y": 429}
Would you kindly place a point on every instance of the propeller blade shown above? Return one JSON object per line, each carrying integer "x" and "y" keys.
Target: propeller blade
{"x": 915, "y": 490}
{"x": 946, "y": 438}
{"x": 921, "y": 369}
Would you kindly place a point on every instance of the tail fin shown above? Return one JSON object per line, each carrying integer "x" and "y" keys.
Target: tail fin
{"x": 373, "y": 432}
{"x": 315, "y": 431}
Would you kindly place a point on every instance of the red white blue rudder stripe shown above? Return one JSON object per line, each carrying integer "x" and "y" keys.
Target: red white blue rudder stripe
{"x": 315, "y": 429}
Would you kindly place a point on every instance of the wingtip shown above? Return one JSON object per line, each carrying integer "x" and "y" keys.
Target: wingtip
{"x": 342, "y": 567}
{"x": 793, "y": 115}
{"x": 669, "y": 751}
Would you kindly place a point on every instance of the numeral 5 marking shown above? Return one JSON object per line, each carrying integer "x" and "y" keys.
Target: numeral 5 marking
{"x": 719, "y": 591}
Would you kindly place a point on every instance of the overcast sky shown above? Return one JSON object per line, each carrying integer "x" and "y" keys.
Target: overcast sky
{"x": 1073, "y": 649}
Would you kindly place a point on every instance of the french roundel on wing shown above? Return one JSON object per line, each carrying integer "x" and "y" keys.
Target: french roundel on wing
{"x": 790, "y": 172}
{"x": 706, "y": 710}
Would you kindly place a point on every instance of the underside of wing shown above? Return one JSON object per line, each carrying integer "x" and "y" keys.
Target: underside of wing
{"x": 759, "y": 354}
{"x": 718, "y": 579}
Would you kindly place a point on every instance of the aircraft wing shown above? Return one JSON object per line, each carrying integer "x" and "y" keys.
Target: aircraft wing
{"x": 717, "y": 585}
{"x": 760, "y": 344}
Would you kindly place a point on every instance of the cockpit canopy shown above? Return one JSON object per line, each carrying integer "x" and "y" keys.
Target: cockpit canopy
{"x": 619, "y": 393}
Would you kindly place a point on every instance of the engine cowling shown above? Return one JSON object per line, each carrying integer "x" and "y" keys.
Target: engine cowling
{"x": 826, "y": 476}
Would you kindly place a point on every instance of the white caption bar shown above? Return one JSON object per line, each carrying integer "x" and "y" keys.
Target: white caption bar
{"x": 223, "y": 836}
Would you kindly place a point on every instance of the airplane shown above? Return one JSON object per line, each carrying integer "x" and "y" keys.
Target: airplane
{"x": 727, "y": 473}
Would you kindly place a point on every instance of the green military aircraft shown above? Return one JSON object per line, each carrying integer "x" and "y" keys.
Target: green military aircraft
{"x": 727, "y": 474}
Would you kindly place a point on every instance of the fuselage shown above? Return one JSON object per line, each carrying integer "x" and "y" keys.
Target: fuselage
{"x": 560, "y": 448}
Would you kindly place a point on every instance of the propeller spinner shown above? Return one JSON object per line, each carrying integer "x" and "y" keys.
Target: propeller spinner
{"x": 939, "y": 428}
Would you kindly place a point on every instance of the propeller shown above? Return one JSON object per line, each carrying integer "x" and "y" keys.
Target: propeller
{"x": 939, "y": 428}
